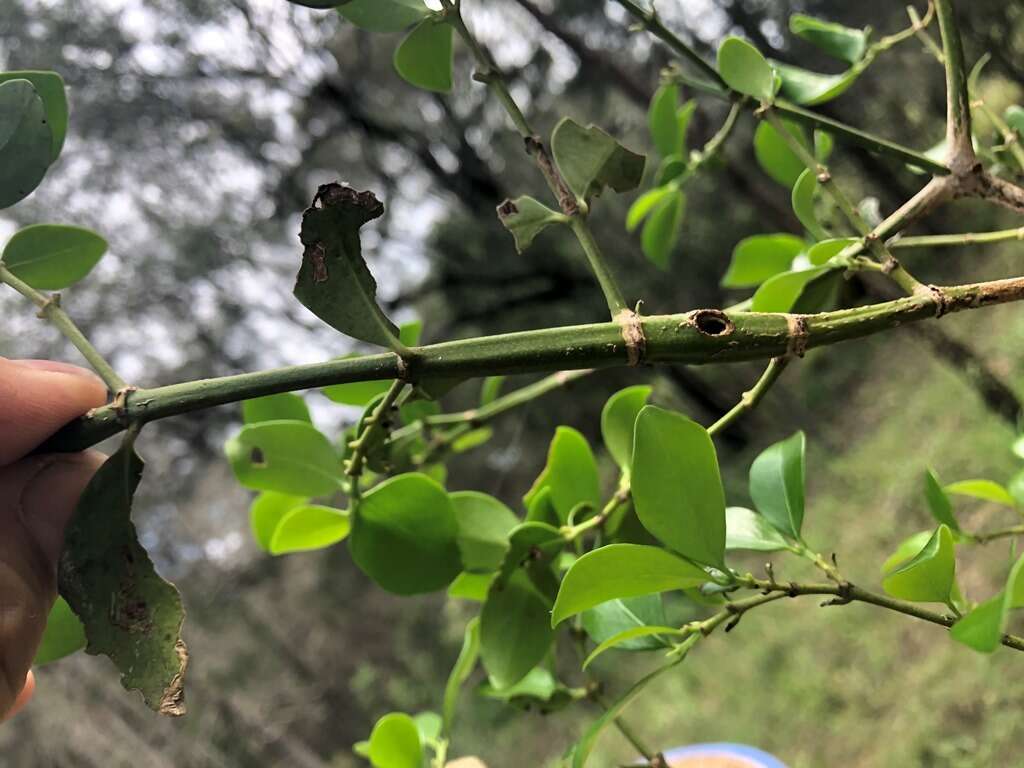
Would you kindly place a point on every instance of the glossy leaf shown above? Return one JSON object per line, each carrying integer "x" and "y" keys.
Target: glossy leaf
{"x": 782, "y": 292}
{"x": 929, "y": 576}
{"x": 64, "y": 635}
{"x": 130, "y": 614}
{"x": 841, "y": 42}
{"x": 282, "y": 407}
{"x": 26, "y": 141}
{"x": 804, "y": 192}
{"x": 803, "y": 86}
{"x": 663, "y": 228}
{"x": 285, "y": 456}
{"x": 938, "y": 502}
{"x": 51, "y": 257}
{"x": 471, "y": 586}
{"x": 677, "y": 489}
{"x": 618, "y": 417}
{"x": 334, "y": 282}
{"x": 745, "y": 70}
{"x": 50, "y": 87}
{"x": 266, "y": 512}
{"x": 395, "y": 743}
{"x": 526, "y": 218}
{"x": 515, "y": 630}
{"x": 662, "y": 122}
{"x": 310, "y": 527}
{"x": 424, "y": 57}
{"x": 460, "y": 673}
{"x": 627, "y": 635}
{"x": 821, "y": 253}
{"x": 484, "y": 524}
{"x": 757, "y": 258}
{"x": 982, "y": 629}
{"x": 616, "y": 571}
{"x": 609, "y": 619}
{"x": 777, "y": 484}
{"x": 907, "y": 550}
{"x": 404, "y": 535}
{"x": 745, "y": 529}
{"x": 590, "y": 160}
{"x": 775, "y": 156}
{"x": 538, "y": 684}
{"x": 381, "y": 15}
{"x": 643, "y": 205}
{"x": 572, "y": 473}
{"x": 986, "y": 490}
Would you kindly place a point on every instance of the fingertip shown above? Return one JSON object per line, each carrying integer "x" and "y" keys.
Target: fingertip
{"x": 23, "y": 697}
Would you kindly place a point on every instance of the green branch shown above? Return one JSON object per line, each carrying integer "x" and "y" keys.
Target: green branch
{"x": 373, "y": 424}
{"x": 963, "y": 239}
{"x": 961, "y": 156}
{"x": 749, "y": 400}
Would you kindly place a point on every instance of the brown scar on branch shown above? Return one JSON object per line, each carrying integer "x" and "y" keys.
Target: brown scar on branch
{"x": 798, "y": 335}
{"x": 633, "y": 334}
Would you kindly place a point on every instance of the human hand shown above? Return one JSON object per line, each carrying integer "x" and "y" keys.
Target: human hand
{"x": 38, "y": 495}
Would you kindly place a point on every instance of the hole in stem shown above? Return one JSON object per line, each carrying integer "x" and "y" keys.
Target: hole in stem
{"x": 713, "y": 322}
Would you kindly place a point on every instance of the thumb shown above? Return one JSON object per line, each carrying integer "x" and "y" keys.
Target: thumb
{"x": 37, "y": 499}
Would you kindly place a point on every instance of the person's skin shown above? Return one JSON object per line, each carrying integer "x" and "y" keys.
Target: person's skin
{"x": 37, "y": 497}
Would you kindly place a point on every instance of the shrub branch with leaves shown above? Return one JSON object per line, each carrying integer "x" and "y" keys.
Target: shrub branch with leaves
{"x": 576, "y": 565}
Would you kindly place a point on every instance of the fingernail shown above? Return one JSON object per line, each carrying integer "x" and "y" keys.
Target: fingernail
{"x": 53, "y": 366}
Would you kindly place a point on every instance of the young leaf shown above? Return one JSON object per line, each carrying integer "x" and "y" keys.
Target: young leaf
{"x": 834, "y": 39}
{"x": 804, "y": 192}
{"x": 618, "y": 417}
{"x": 334, "y": 282}
{"x": 484, "y": 524}
{"x": 526, "y": 218}
{"x": 26, "y": 141}
{"x": 929, "y": 576}
{"x": 821, "y": 253}
{"x": 266, "y": 512}
{"x": 644, "y": 204}
{"x": 1014, "y": 116}
{"x": 572, "y": 473}
{"x": 64, "y": 635}
{"x": 622, "y": 570}
{"x": 51, "y": 257}
{"x": 515, "y": 630}
{"x": 461, "y": 671}
{"x": 775, "y": 156}
{"x": 130, "y": 614}
{"x": 308, "y": 528}
{"x": 938, "y": 502}
{"x": 50, "y": 87}
{"x": 777, "y": 484}
{"x": 986, "y": 490}
{"x": 745, "y": 529}
{"x": 286, "y": 456}
{"x": 663, "y": 228}
{"x": 424, "y": 57}
{"x": 381, "y": 15}
{"x": 282, "y": 407}
{"x": 632, "y": 634}
{"x": 395, "y": 742}
{"x": 757, "y": 258}
{"x": 662, "y": 120}
{"x": 609, "y": 619}
{"x": 471, "y": 586}
{"x": 357, "y": 393}
{"x": 782, "y": 292}
{"x": 810, "y": 88}
{"x": 529, "y": 542}
{"x": 429, "y": 724}
{"x": 404, "y": 535}
{"x": 982, "y": 629}
{"x": 537, "y": 685}
{"x": 677, "y": 489}
{"x": 745, "y": 70}
{"x": 590, "y": 160}
{"x": 907, "y": 549}
{"x": 490, "y": 389}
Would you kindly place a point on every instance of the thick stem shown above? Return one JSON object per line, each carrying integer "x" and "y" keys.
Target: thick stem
{"x": 961, "y": 157}
{"x": 50, "y": 309}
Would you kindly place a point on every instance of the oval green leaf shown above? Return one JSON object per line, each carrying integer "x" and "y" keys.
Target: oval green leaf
{"x": 775, "y": 156}
{"x": 50, "y": 87}
{"x": 424, "y": 57}
{"x": 662, "y": 122}
{"x": 929, "y": 576}
{"x": 572, "y": 473}
{"x": 266, "y": 512}
{"x": 484, "y": 524}
{"x": 380, "y": 15}
{"x": 515, "y": 630}
{"x": 804, "y": 191}
{"x": 631, "y": 634}
{"x": 745, "y": 529}
{"x": 51, "y": 257}
{"x": 986, "y": 490}
{"x": 615, "y": 616}
{"x": 781, "y": 292}
{"x": 286, "y": 456}
{"x": 840, "y": 42}
{"x": 618, "y": 417}
{"x": 745, "y": 70}
{"x": 757, "y": 258}
{"x": 821, "y": 253}
{"x": 662, "y": 229}
{"x": 938, "y": 502}
{"x": 777, "y": 484}
{"x": 308, "y": 528}
{"x": 26, "y": 141}
{"x": 280, "y": 407}
{"x": 395, "y": 742}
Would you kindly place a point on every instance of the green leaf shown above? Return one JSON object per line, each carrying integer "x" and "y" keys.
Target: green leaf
{"x": 670, "y": 169}
{"x": 526, "y": 218}
{"x": 51, "y": 257}
{"x": 608, "y": 619}
{"x": 1014, "y": 116}
{"x": 745, "y": 529}
{"x": 777, "y": 484}
{"x": 530, "y": 542}
{"x": 308, "y": 528}
{"x": 618, "y": 417}
{"x": 938, "y": 502}
{"x": 907, "y": 549}
{"x": 821, "y": 253}
{"x": 404, "y": 535}
{"x": 424, "y": 57}
{"x": 572, "y": 473}
{"x": 774, "y": 154}
{"x": 380, "y": 15}
{"x": 644, "y": 204}
{"x": 286, "y": 456}
{"x": 622, "y": 570}
{"x": 590, "y": 160}
{"x": 834, "y": 39}
{"x": 744, "y": 69}
{"x": 26, "y": 141}
{"x": 781, "y": 292}
{"x": 282, "y": 407}
{"x": 929, "y": 576}
{"x": 460, "y": 673}
{"x": 130, "y": 614}
{"x": 1016, "y": 487}
{"x": 490, "y": 389}
{"x": 484, "y": 524}
{"x": 64, "y": 635}
{"x": 50, "y": 87}
{"x": 810, "y": 88}
{"x": 677, "y": 489}
{"x": 537, "y": 685}
{"x": 429, "y": 724}
{"x": 982, "y": 629}
{"x": 662, "y": 122}
{"x": 663, "y": 228}
{"x": 358, "y": 393}
{"x": 334, "y": 282}
{"x": 581, "y": 752}
{"x": 804, "y": 192}
{"x": 395, "y": 742}
{"x": 266, "y": 512}
{"x": 628, "y": 635}
{"x": 986, "y": 490}
{"x": 515, "y": 630}
{"x": 757, "y": 258}
{"x": 471, "y": 586}
{"x": 320, "y": 5}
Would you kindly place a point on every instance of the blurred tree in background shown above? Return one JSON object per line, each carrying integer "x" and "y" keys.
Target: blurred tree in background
{"x": 200, "y": 130}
